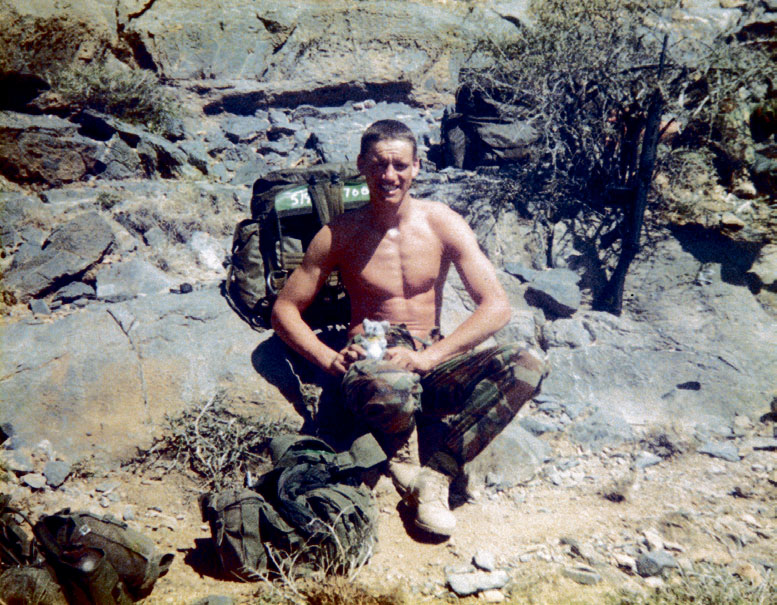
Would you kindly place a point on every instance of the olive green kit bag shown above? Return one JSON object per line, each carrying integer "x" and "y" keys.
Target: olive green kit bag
{"x": 77, "y": 558}
{"x": 309, "y": 513}
{"x": 288, "y": 207}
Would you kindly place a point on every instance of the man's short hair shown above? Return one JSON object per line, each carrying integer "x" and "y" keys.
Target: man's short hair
{"x": 387, "y": 130}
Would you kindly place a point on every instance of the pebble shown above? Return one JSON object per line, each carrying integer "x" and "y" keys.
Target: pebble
{"x": 465, "y": 584}
{"x": 653, "y": 563}
{"x": 762, "y": 443}
{"x": 674, "y": 546}
{"x": 18, "y": 462}
{"x": 492, "y": 596}
{"x": 646, "y": 459}
{"x": 653, "y": 540}
{"x": 107, "y": 486}
{"x": 56, "y": 471}
{"x": 34, "y": 480}
{"x": 747, "y": 571}
{"x": 128, "y": 514}
{"x": 654, "y": 582}
{"x": 626, "y": 562}
{"x": 582, "y": 574}
{"x": 215, "y": 600}
{"x": 39, "y": 307}
{"x": 725, "y": 451}
{"x": 484, "y": 560}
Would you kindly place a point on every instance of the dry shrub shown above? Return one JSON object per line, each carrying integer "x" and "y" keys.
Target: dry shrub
{"x": 134, "y": 95}
{"x": 585, "y": 76}
{"x": 214, "y": 442}
{"x": 582, "y": 76}
{"x": 340, "y": 591}
{"x": 707, "y": 584}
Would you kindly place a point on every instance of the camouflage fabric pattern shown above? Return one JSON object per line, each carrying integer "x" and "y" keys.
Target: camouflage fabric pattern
{"x": 383, "y": 396}
{"x": 477, "y": 394}
{"x": 474, "y": 395}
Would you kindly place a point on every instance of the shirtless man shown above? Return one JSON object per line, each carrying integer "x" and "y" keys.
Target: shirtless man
{"x": 394, "y": 255}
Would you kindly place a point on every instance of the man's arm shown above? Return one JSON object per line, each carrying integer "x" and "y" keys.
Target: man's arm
{"x": 297, "y": 294}
{"x": 479, "y": 277}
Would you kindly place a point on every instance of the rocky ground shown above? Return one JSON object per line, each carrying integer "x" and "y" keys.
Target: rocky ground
{"x": 651, "y": 445}
{"x": 587, "y": 524}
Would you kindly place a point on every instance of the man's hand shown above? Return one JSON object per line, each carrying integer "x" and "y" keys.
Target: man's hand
{"x": 419, "y": 362}
{"x": 343, "y": 360}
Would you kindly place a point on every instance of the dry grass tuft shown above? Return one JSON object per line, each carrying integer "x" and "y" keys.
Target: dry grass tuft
{"x": 707, "y": 584}
{"x": 214, "y": 442}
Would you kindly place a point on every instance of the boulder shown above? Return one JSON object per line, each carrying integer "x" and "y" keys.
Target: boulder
{"x": 100, "y": 383}
{"x": 67, "y": 253}
{"x": 45, "y": 150}
{"x": 512, "y": 458}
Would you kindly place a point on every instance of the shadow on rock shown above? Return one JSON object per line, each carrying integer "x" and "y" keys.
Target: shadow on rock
{"x": 270, "y": 361}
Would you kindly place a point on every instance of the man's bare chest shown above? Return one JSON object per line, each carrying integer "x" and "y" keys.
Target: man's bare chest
{"x": 398, "y": 264}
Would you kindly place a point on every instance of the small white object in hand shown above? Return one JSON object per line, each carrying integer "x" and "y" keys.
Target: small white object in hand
{"x": 374, "y": 338}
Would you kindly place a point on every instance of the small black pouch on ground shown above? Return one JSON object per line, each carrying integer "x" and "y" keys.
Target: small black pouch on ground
{"x": 309, "y": 513}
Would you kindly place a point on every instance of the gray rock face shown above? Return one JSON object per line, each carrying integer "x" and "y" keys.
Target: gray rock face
{"x": 123, "y": 377}
{"x": 45, "y": 150}
{"x": 708, "y": 333}
{"x": 309, "y": 46}
{"x": 69, "y": 251}
{"x": 513, "y": 457}
{"x": 125, "y": 280}
{"x": 602, "y": 428}
{"x": 555, "y": 291}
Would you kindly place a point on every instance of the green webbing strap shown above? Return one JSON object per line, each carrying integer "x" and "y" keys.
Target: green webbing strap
{"x": 327, "y": 197}
{"x": 365, "y": 452}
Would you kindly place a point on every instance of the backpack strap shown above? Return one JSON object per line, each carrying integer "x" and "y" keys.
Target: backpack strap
{"x": 15, "y": 547}
{"x": 364, "y": 453}
{"x": 327, "y": 197}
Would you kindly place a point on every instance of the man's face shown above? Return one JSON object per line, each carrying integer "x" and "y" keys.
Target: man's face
{"x": 389, "y": 167}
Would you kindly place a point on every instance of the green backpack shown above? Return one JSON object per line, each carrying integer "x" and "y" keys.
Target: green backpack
{"x": 309, "y": 513}
{"x": 92, "y": 547}
{"x": 288, "y": 207}
{"x": 75, "y": 557}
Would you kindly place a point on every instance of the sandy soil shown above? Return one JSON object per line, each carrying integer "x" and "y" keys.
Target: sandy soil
{"x": 705, "y": 509}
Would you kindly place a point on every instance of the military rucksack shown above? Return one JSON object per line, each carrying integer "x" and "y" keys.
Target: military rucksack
{"x": 16, "y": 548}
{"x": 77, "y": 557}
{"x": 288, "y": 207}
{"x": 308, "y": 513}
{"x": 132, "y": 555}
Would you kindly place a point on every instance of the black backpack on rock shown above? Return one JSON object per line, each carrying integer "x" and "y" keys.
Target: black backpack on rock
{"x": 309, "y": 513}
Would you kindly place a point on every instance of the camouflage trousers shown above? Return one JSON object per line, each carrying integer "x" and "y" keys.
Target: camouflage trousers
{"x": 462, "y": 403}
